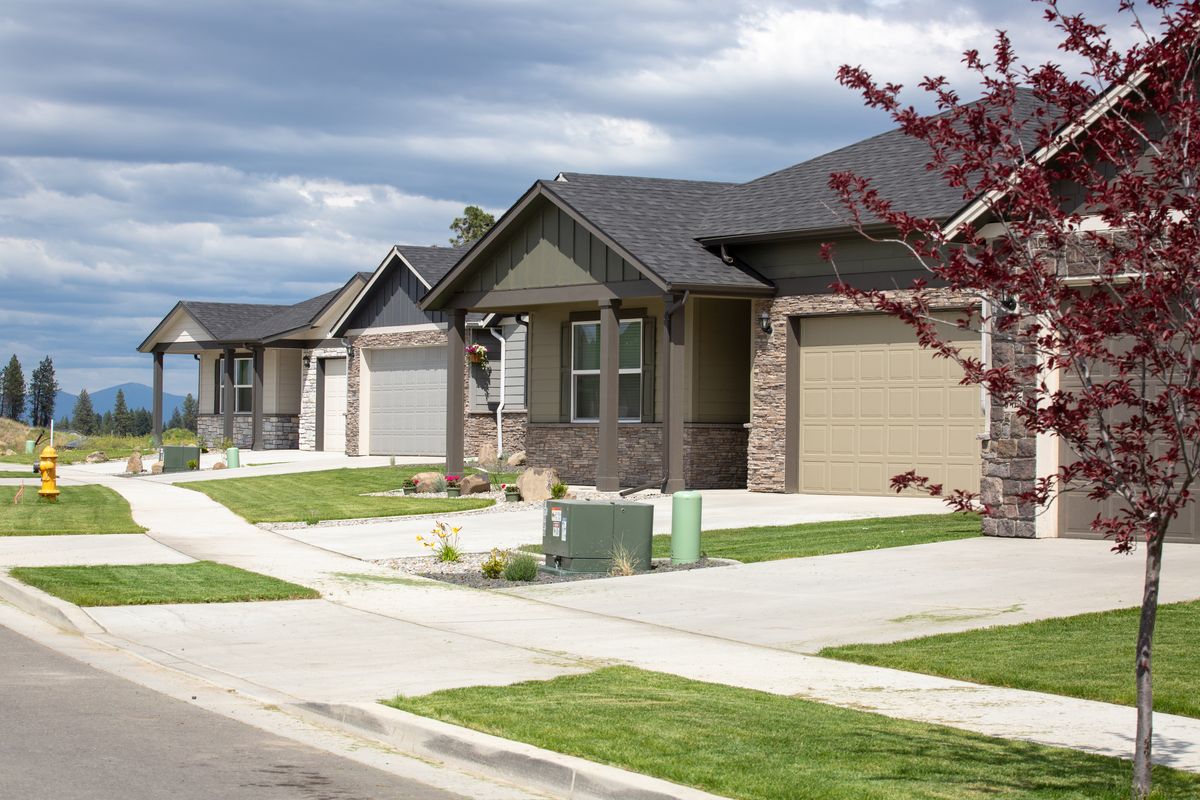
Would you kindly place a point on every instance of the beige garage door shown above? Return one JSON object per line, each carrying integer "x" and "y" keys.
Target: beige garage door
{"x": 873, "y": 404}
{"x": 1076, "y": 510}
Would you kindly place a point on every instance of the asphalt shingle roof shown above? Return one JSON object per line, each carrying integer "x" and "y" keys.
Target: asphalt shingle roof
{"x": 252, "y": 322}
{"x": 431, "y": 263}
{"x": 655, "y": 220}
{"x": 798, "y": 199}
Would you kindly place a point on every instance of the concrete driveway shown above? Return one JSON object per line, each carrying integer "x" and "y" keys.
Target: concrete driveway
{"x": 723, "y": 508}
{"x": 804, "y": 604}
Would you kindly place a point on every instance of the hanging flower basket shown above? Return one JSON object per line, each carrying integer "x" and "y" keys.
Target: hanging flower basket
{"x": 478, "y": 354}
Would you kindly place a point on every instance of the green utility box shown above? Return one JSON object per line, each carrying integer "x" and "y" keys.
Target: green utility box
{"x": 175, "y": 458}
{"x": 582, "y": 535}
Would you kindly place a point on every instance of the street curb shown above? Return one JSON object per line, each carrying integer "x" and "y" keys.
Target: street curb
{"x": 59, "y": 613}
{"x": 481, "y": 753}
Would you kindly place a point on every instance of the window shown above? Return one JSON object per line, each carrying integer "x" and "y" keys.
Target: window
{"x": 585, "y": 371}
{"x": 243, "y": 385}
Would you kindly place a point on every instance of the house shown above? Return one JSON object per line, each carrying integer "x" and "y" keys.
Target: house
{"x": 257, "y": 369}
{"x": 683, "y": 334}
{"x": 401, "y": 377}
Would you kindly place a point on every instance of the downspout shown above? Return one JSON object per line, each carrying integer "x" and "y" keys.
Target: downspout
{"x": 500, "y": 405}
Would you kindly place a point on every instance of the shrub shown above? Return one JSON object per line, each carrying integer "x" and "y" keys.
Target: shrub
{"x": 443, "y": 541}
{"x": 558, "y": 491}
{"x": 409, "y": 483}
{"x": 521, "y": 567}
{"x": 439, "y": 485}
{"x": 193, "y": 464}
{"x": 493, "y": 567}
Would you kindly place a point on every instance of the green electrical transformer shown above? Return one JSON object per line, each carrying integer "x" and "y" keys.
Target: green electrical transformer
{"x": 582, "y": 535}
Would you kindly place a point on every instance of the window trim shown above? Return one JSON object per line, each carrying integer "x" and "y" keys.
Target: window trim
{"x": 236, "y": 385}
{"x": 638, "y": 370}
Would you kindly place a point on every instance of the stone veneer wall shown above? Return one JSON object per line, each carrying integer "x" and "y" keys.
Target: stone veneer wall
{"x": 280, "y": 431}
{"x": 481, "y": 429}
{"x": 714, "y": 454}
{"x": 478, "y": 427}
{"x": 308, "y": 394}
{"x": 1009, "y": 460}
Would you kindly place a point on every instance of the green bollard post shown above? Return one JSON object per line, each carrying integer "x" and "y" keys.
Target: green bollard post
{"x": 685, "y": 527}
{"x": 29, "y": 447}
{"x": 232, "y": 459}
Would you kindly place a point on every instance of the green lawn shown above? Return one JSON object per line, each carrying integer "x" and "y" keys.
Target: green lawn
{"x": 748, "y": 744}
{"x": 148, "y": 584}
{"x": 329, "y": 494}
{"x": 79, "y": 509}
{"x": 1089, "y": 656}
{"x": 749, "y": 545}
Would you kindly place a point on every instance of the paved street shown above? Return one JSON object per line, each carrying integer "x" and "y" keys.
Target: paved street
{"x": 71, "y": 731}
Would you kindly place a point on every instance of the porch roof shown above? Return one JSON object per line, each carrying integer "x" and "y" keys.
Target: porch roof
{"x": 198, "y": 325}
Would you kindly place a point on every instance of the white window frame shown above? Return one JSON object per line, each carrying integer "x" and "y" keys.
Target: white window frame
{"x": 627, "y": 371}
{"x": 236, "y": 385}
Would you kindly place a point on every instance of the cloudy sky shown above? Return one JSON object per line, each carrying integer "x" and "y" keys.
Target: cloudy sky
{"x": 152, "y": 150}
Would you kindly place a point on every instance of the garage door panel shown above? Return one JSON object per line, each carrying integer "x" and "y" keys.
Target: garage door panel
{"x": 890, "y": 408}
{"x": 408, "y": 401}
{"x": 1076, "y": 510}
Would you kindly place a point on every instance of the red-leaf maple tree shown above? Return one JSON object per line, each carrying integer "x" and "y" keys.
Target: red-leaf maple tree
{"x": 1079, "y": 251}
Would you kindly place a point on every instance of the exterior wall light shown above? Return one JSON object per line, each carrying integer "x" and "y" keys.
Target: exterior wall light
{"x": 349, "y": 345}
{"x": 764, "y": 321}
{"x": 307, "y": 362}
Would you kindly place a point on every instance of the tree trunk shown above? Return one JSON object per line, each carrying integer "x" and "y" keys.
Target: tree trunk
{"x": 1145, "y": 694}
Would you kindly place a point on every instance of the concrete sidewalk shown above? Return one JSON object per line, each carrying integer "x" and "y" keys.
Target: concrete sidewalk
{"x": 377, "y": 634}
{"x": 723, "y": 508}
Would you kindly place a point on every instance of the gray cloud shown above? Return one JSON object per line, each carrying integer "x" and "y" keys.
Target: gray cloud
{"x": 151, "y": 151}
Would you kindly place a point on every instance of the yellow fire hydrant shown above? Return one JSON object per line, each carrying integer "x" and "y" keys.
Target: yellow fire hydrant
{"x": 49, "y": 470}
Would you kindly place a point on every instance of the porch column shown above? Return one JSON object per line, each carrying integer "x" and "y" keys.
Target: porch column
{"x": 673, "y": 394}
{"x": 157, "y": 402}
{"x": 259, "y": 443}
{"x": 607, "y": 473}
{"x": 227, "y": 397}
{"x": 455, "y": 384}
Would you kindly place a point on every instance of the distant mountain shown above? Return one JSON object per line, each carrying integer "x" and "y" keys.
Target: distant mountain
{"x": 137, "y": 395}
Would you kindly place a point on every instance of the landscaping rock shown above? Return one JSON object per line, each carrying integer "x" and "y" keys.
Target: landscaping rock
{"x": 134, "y": 464}
{"x": 535, "y": 483}
{"x": 487, "y": 455}
{"x": 219, "y": 465}
{"x": 97, "y": 457}
{"x": 156, "y": 468}
{"x": 517, "y": 459}
{"x": 8, "y": 451}
{"x": 427, "y": 481}
{"x": 474, "y": 484}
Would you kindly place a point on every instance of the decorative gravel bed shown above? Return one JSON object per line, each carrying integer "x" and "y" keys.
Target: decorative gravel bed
{"x": 466, "y": 571}
{"x": 501, "y": 506}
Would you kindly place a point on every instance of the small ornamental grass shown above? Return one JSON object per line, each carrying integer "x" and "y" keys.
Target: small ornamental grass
{"x": 443, "y": 541}
{"x": 521, "y": 567}
{"x": 493, "y": 566}
{"x": 558, "y": 491}
{"x": 624, "y": 562}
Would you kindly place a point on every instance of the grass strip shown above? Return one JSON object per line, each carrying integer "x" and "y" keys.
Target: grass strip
{"x": 78, "y": 510}
{"x": 771, "y": 543}
{"x": 152, "y": 584}
{"x": 328, "y": 494}
{"x": 747, "y": 744}
{"x": 1088, "y": 655}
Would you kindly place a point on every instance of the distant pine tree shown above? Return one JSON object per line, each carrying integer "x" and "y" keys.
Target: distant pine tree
{"x": 189, "y": 413}
{"x": 43, "y": 389}
{"x": 176, "y": 420}
{"x": 122, "y": 421}
{"x": 12, "y": 390}
{"x": 85, "y": 416}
